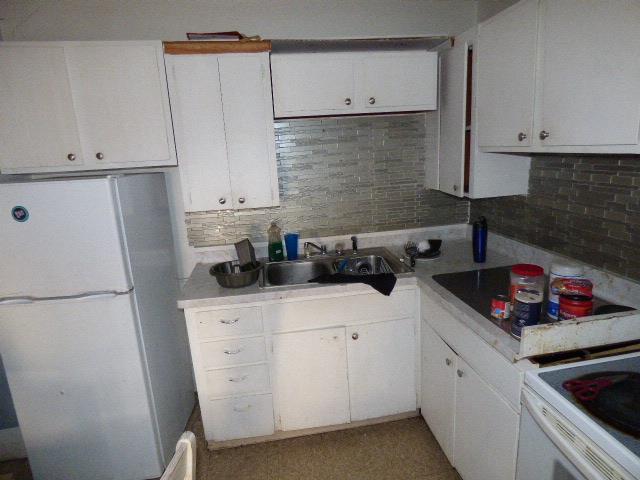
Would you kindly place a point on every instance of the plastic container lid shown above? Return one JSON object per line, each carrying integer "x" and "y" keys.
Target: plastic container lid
{"x": 567, "y": 270}
{"x": 527, "y": 270}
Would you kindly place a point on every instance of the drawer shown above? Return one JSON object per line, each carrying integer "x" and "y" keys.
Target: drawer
{"x": 234, "y": 351}
{"x": 237, "y": 380}
{"x": 242, "y": 417}
{"x": 229, "y": 322}
{"x": 334, "y": 311}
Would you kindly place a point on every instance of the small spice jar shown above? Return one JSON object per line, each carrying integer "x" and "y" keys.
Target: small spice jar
{"x": 575, "y": 306}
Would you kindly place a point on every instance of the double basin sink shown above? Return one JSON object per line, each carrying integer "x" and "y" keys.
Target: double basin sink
{"x": 369, "y": 261}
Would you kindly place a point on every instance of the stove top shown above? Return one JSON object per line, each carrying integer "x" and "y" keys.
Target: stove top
{"x": 622, "y": 398}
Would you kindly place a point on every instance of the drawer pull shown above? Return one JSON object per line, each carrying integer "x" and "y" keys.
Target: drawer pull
{"x": 238, "y": 379}
{"x": 232, "y": 352}
{"x": 244, "y": 408}
{"x": 230, "y": 322}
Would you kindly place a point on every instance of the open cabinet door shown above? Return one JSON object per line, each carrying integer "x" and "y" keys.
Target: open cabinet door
{"x": 453, "y": 80}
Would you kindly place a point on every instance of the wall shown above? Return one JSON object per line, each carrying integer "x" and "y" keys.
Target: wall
{"x": 169, "y": 20}
{"x": 488, "y": 8}
{"x": 583, "y": 207}
{"x": 344, "y": 175}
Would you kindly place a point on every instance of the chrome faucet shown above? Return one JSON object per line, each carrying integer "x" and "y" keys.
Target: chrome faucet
{"x": 321, "y": 248}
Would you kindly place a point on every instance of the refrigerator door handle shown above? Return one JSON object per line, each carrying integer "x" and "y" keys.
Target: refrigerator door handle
{"x": 82, "y": 296}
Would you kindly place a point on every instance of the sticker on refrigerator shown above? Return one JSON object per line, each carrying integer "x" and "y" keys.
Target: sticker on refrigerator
{"x": 20, "y": 214}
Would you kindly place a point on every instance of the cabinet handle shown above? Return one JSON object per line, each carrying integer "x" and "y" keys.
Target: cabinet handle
{"x": 460, "y": 373}
{"x": 347, "y": 101}
{"x": 99, "y": 155}
{"x": 232, "y": 352}
{"x": 238, "y": 379}
{"x": 522, "y": 136}
{"x": 372, "y": 100}
{"x": 71, "y": 157}
{"x": 222, "y": 200}
{"x": 241, "y": 200}
{"x": 241, "y": 409}
{"x": 355, "y": 335}
{"x": 448, "y": 362}
{"x": 230, "y": 322}
{"x": 544, "y": 134}
{"x": 455, "y": 188}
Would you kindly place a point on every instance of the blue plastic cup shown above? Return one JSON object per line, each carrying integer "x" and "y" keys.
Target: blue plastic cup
{"x": 291, "y": 244}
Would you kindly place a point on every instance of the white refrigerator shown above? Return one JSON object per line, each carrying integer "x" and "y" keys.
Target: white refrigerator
{"x": 94, "y": 347}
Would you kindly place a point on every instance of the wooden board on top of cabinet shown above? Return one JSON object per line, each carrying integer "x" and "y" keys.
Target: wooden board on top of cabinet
{"x": 381, "y": 364}
{"x": 225, "y": 139}
{"x": 83, "y": 106}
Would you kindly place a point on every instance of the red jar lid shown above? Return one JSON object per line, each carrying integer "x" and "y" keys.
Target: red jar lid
{"x": 527, "y": 270}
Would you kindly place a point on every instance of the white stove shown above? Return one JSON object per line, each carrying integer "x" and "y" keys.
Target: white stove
{"x": 561, "y": 438}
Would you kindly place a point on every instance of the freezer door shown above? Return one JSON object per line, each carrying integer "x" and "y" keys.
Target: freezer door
{"x": 60, "y": 238}
{"x": 79, "y": 385}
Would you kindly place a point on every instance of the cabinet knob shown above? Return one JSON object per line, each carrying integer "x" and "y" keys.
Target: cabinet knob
{"x": 448, "y": 362}
{"x": 355, "y": 335}
{"x": 522, "y": 136}
{"x": 222, "y": 200}
{"x": 372, "y": 100}
{"x": 460, "y": 373}
{"x": 544, "y": 134}
{"x": 347, "y": 101}
{"x": 241, "y": 200}
{"x": 455, "y": 188}
{"x": 71, "y": 157}
{"x": 99, "y": 155}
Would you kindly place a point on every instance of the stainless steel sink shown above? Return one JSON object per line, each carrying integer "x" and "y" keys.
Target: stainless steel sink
{"x": 370, "y": 261}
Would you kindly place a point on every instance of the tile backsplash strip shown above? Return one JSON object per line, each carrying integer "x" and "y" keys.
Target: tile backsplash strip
{"x": 586, "y": 208}
{"x": 343, "y": 175}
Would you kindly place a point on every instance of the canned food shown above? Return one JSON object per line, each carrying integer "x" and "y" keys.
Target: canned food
{"x": 500, "y": 307}
{"x": 526, "y": 311}
{"x": 575, "y": 306}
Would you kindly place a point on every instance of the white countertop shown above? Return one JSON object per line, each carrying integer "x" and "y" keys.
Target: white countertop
{"x": 202, "y": 291}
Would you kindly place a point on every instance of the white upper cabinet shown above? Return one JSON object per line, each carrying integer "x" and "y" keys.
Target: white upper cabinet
{"x": 37, "y": 122}
{"x": 223, "y": 122}
{"x": 313, "y": 84}
{"x": 120, "y": 98}
{"x": 506, "y": 76}
{"x": 69, "y": 106}
{"x": 582, "y": 56}
{"x": 590, "y": 80}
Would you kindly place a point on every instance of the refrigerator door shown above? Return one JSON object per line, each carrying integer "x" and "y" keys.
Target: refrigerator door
{"x": 78, "y": 381}
{"x": 61, "y": 238}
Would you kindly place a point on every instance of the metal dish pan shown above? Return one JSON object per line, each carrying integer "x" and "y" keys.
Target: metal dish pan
{"x": 232, "y": 275}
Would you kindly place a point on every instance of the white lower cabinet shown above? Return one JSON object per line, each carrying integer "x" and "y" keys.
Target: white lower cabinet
{"x": 486, "y": 429}
{"x": 310, "y": 378}
{"x": 381, "y": 364}
{"x": 438, "y": 388}
{"x": 237, "y": 417}
{"x": 476, "y": 427}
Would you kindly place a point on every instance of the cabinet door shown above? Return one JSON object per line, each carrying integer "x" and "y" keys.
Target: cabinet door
{"x": 248, "y": 122}
{"x": 438, "y": 388}
{"x": 399, "y": 81}
{"x": 313, "y": 84}
{"x": 382, "y": 370}
{"x": 37, "y": 122}
{"x": 589, "y": 84}
{"x": 120, "y": 96}
{"x": 309, "y": 372}
{"x": 198, "y": 123}
{"x": 486, "y": 429}
{"x": 506, "y": 76}
{"x": 453, "y": 92}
